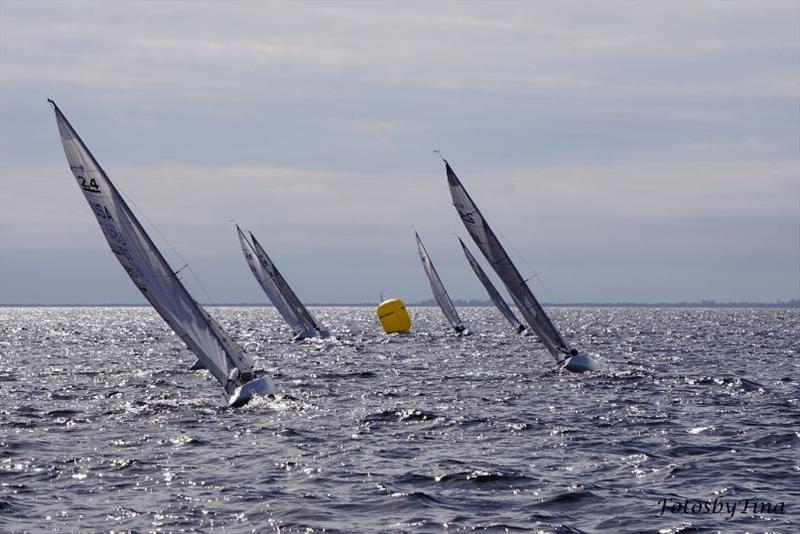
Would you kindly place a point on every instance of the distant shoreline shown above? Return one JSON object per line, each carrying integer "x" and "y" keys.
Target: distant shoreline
{"x": 794, "y": 303}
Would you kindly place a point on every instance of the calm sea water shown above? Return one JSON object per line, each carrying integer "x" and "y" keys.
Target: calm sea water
{"x": 102, "y": 427}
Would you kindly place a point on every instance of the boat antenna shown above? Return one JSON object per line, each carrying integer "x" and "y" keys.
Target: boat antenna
{"x": 439, "y": 153}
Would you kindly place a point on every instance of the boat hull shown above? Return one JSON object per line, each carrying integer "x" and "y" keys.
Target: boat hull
{"x": 310, "y": 334}
{"x": 258, "y": 387}
{"x": 580, "y": 363}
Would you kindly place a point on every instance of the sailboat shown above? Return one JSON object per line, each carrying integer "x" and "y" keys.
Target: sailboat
{"x": 153, "y": 276}
{"x": 439, "y": 292}
{"x": 565, "y": 356}
{"x": 498, "y": 301}
{"x": 277, "y": 289}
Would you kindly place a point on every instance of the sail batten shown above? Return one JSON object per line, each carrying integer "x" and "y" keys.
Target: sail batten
{"x": 498, "y": 258}
{"x": 147, "y": 267}
{"x": 439, "y": 291}
{"x": 494, "y": 295}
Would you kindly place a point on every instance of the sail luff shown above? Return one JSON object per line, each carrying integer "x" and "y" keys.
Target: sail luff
{"x": 144, "y": 263}
{"x": 498, "y": 258}
{"x": 439, "y": 291}
{"x": 286, "y": 291}
{"x": 494, "y": 295}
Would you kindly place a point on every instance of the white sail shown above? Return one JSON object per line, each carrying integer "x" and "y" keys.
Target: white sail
{"x": 267, "y": 283}
{"x": 500, "y": 261}
{"x": 439, "y": 292}
{"x": 310, "y": 326}
{"x": 498, "y": 300}
{"x": 148, "y": 269}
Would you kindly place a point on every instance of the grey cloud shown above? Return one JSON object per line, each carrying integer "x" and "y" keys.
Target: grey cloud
{"x": 638, "y": 140}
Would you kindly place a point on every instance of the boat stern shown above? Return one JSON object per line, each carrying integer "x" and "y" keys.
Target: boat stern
{"x": 580, "y": 363}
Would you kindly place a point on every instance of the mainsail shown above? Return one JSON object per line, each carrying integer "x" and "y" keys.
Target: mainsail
{"x": 301, "y": 320}
{"x": 439, "y": 292}
{"x": 500, "y": 261}
{"x": 148, "y": 269}
{"x": 498, "y": 301}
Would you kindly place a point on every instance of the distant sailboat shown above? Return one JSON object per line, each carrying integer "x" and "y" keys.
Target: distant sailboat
{"x": 439, "y": 292}
{"x": 152, "y": 275}
{"x": 498, "y": 300}
{"x": 500, "y": 261}
{"x": 277, "y": 289}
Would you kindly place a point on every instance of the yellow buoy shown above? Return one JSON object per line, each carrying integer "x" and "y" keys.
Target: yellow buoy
{"x": 393, "y": 317}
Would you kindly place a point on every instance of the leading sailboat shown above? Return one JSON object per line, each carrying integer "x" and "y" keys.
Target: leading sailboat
{"x": 277, "y": 289}
{"x": 566, "y": 356}
{"x": 439, "y": 292}
{"x": 153, "y": 276}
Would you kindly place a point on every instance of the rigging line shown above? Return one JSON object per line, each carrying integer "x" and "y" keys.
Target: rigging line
{"x": 141, "y": 212}
{"x": 541, "y": 283}
{"x": 530, "y": 268}
{"x": 211, "y": 301}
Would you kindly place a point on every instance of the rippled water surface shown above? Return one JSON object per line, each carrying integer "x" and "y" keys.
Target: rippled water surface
{"x": 102, "y": 427}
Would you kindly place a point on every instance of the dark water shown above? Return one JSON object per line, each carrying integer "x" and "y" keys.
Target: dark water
{"x": 102, "y": 428}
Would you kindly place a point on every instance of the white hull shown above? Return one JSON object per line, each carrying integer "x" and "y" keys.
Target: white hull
{"x": 580, "y": 363}
{"x": 258, "y": 387}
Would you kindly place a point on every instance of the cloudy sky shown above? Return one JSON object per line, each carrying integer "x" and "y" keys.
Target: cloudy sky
{"x": 623, "y": 151}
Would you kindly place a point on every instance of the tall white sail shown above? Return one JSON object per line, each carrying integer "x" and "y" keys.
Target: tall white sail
{"x": 267, "y": 283}
{"x": 498, "y": 300}
{"x": 310, "y": 327}
{"x": 439, "y": 292}
{"x": 148, "y": 269}
{"x": 500, "y": 261}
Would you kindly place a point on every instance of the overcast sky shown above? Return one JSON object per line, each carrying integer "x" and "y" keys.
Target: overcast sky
{"x": 631, "y": 151}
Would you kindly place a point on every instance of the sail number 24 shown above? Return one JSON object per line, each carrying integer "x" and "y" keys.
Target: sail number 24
{"x": 90, "y": 186}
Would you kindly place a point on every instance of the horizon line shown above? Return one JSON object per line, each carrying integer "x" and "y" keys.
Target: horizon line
{"x": 705, "y": 303}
